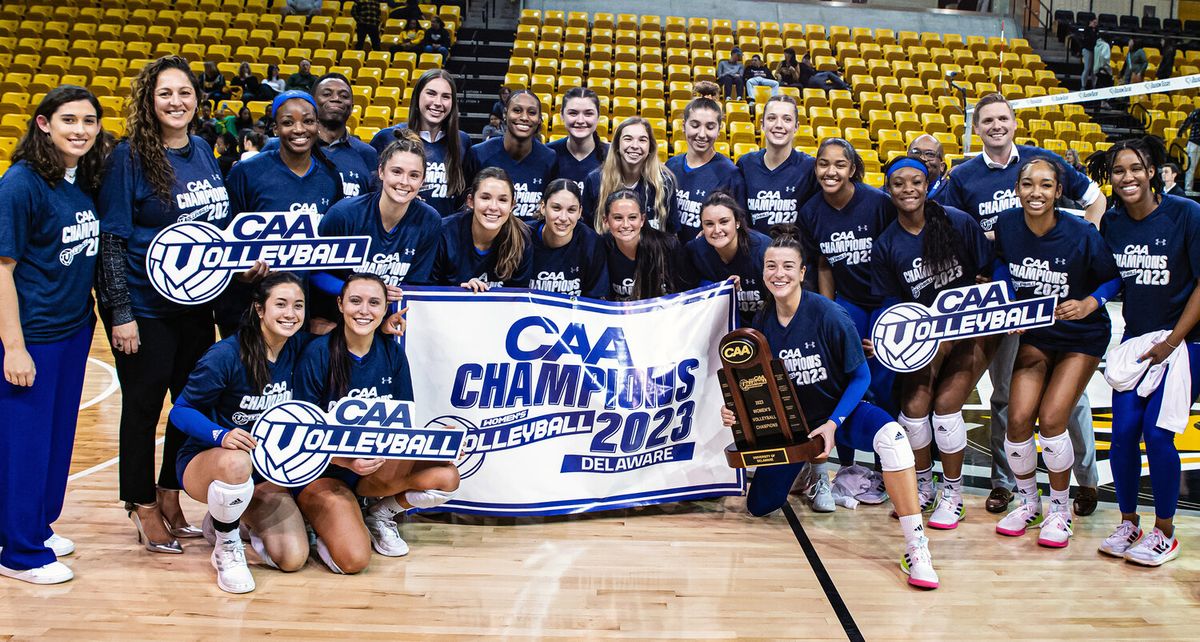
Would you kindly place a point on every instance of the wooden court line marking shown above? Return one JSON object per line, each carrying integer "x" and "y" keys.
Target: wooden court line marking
{"x": 101, "y": 466}
{"x": 112, "y": 384}
{"x": 827, "y": 585}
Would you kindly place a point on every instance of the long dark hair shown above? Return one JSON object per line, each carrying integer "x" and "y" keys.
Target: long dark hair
{"x": 941, "y": 243}
{"x": 338, "y": 382}
{"x": 652, "y": 274}
{"x": 587, "y": 94}
{"x": 722, "y": 198}
{"x": 144, "y": 130}
{"x": 252, "y": 346}
{"x": 1150, "y": 151}
{"x": 511, "y": 241}
{"x": 455, "y": 181}
{"x": 859, "y": 169}
{"x": 36, "y": 148}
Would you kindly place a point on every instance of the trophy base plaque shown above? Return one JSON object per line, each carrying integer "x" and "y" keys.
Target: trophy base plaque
{"x": 794, "y": 454}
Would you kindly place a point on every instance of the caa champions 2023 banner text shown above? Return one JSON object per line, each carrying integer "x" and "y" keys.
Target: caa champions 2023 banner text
{"x": 574, "y": 405}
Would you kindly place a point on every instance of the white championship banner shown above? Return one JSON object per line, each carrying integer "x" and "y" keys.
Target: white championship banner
{"x": 1117, "y": 91}
{"x": 574, "y": 405}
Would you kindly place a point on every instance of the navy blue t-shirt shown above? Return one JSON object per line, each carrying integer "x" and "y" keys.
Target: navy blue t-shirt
{"x": 820, "y": 348}
{"x": 983, "y": 192}
{"x": 845, "y": 237}
{"x": 1070, "y": 261}
{"x": 356, "y": 162}
{"x": 572, "y": 168}
{"x": 403, "y": 254}
{"x": 382, "y": 373}
{"x": 264, "y": 183}
{"x": 593, "y": 209}
{"x": 774, "y": 196}
{"x": 579, "y": 268}
{"x": 1159, "y": 259}
{"x": 747, "y": 265}
{"x": 435, "y": 190}
{"x": 622, "y": 269}
{"x": 133, "y": 211}
{"x": 529, "y": 176}
{"x": 898, "y": 266}
{"x": 694, "y": 184}
{"x": 459, "y": 261}
{"x": 53, "y": 233}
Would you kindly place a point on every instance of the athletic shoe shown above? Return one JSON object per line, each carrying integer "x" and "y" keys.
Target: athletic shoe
{"x": 917, "y": 563}
{"x": 385, "y": 536}
{"x": 820, "y": 495}
{"x": 1153, "y": 550}
{"x": 52, "y": 573}
{"x": 1085, "y": 501}
{"x": 926, "y": 494}
{"x": 1027, "y": 515}
{"x": 229, "y": 558}
{"x": 60, "y": 545}
{"x": 1117, "y": 544}
{"x": 1056, "y": 529}
{"x": 877, "y": 494}
{"x": 948, "y": 511}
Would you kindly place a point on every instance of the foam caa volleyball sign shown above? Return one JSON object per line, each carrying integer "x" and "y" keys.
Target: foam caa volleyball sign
{"x": 572, "y": 405}
{"x": 192, "y": 262}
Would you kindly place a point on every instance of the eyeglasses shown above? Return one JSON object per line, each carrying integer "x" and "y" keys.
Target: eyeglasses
{"x": 927, "y": 154}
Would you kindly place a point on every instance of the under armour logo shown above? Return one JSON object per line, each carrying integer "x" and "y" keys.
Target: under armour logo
{"x": 324, "y": 201}
{"x": 1060, "y": 261}
{"x": 410, "y": 251}
{"x": 1160, "y": 241}
{"x": 863, "y": 228}
{"x": 809, "y": 345}
{"x": 385, "y": 380}
{"x": 790, "y": 188}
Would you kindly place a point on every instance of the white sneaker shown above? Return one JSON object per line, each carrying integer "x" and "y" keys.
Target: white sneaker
{"x": 820, "y": 495}
{"x": 385, "y": 536}
{"x": 52, "y": 573}
{"x": 948, "y": 511}
{"x": 878, "y": 492}
{"x": 1153, "y": 550}
{"x": 926, "y": 493}
{"x": 1121, "y": 540}
{"x": 1056, "y": 529}
{"x": 918, "y": 564}
{"x": 229, "y": 558}
{"x": 60, "y": 545}
{"x": 1025, "y": 516}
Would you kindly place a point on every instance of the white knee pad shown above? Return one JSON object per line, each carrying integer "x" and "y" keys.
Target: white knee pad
{"x": 1022, "y": 457}
{"x": 920, "y": 433}
{"x": 227, "y": 502}
{"x": 892, "y": 446}
{"x": 427, "y": 498}
{"x": 950, "y": 432}
{"x": 1057, "y": 452}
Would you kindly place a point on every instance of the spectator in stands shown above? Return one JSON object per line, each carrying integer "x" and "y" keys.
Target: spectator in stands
{"x": 729, "y": 75}
{"x": 1170, "y": 175}
{"x": 252, "y": 143}
{"x": 273, "y": 80}
{"x": 498, "y": 107}
{"x": 243, "y": 81}
{"x": 303, "y": 79}
{"x": 1166, "y": 66}
{"x": 788, "y": 69}
{"x": 411, "y": 10}
{"x": 241, "y": 122}
{"x": 930, "y": 151}
{"x": 706, "y": 89}
{"x": 1072, "y": 158}
{"x": 1087, "y": 49}
{"x": 308, "y": 8}
{"x": 437, "y": 38}
{"x": 411, "y": 38}
{"x": 1102, "y": 64}
{"x": 366, "y": 24}
{"x": 494, "y": 128}
{"x": 227, "y": 152}
{"x": 757, "y": 75}
{"x": 264, "y": 127}
{"x": 1191, "y": 129}
{"x": 1135, "y": 63}
{"x": 206, "y": 126}
{"x": 212, "y": 81}
{"x": 813, "y": 79}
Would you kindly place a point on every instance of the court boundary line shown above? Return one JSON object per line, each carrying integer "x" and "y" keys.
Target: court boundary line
{"x": 105, "y": 464}
{"x": 831, "y": 593}
{"x": 113, "y": 384}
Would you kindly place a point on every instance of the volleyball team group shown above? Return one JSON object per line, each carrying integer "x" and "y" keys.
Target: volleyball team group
{"x": 816, "y": 255}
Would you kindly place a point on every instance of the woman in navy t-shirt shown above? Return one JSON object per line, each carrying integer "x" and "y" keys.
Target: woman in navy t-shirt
{"x": 1042, "y": 251}
{"x": 485, "y": 246}
{"x": 727, "y": 247}
{"x": 931, "y": 248}
{"x": 157, "y": 176}
{"x": 632, "y": 164}
{"x": 643, "y": 262}
{"x": 581, "y": 151}
{"x": 519, "y": 152}
{"x": 49, "y": 245}
{"x": 819, "y": 346}
{"x": 778, "y": 179}
{"x": 568, "y": 257}
{"x": 700, "y": 170}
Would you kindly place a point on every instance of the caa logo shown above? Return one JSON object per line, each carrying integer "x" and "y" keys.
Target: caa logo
{"x": 296, "y": 441}
{"x": 907, "y": 335}
{"x": 737, "y": 351}
{"x": 192, "y": 262}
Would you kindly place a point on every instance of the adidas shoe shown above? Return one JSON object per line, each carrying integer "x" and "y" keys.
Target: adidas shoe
{"x": 917, "y": 563}
{"x": 1027, "y": 515}
{"x": 820, "y": 495}
{"x": 1056, "y": 529}
{"x": 1122, "y": 539}
{"x": 1153, "y": 550}
{"x": 229, "y": 558}
{"x": 52, "y": 573}
{"x": 385, "y": 536}
{"x": 948, "y": 511}
{"x": 877, "y": 493}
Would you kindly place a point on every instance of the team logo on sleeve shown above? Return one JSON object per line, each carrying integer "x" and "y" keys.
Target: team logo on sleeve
{"x": 296, "y": 441}
{"x": 192, "y": 262}
{"x": 907, "y": 335}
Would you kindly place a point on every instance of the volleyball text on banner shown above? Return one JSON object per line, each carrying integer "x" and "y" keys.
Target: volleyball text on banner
{"x": 907, "y": 335}
{"x": 574, "y": 405}
{"x": 192, "y": 262}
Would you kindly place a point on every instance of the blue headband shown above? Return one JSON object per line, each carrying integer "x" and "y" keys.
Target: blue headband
{"x": 291, "y": 94}
{"x": 907, "y": 162}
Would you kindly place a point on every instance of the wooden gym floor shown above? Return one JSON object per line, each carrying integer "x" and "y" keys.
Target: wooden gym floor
{"x": 699, "y": 570}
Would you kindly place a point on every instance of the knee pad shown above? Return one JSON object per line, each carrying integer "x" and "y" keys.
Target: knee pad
{"x": 427, "y": 498}
{"x": 920, "y": 432}
{"x": 892, "y": 446}
{"x": 950, "y": 432}
{"x": 1022, "y": 457}
{"x": 1057, "y": 452}
{"x": 227, "y": 502}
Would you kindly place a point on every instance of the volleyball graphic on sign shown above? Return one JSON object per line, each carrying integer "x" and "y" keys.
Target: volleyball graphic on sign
{"x": 280, "y": 455}
{"x": 174, "y": 263}
{"x": 894, "y": 336}
{"x": 468, "y": 462}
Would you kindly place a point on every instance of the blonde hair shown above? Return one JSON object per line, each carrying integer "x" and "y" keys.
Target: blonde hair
{"x": 652, "y": 173}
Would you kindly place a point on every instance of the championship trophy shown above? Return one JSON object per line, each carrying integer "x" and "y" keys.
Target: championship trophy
{"x": 769, "y": 426}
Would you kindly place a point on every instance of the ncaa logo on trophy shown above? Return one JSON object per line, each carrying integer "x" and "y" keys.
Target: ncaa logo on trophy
{"x": 907, "y": 335}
